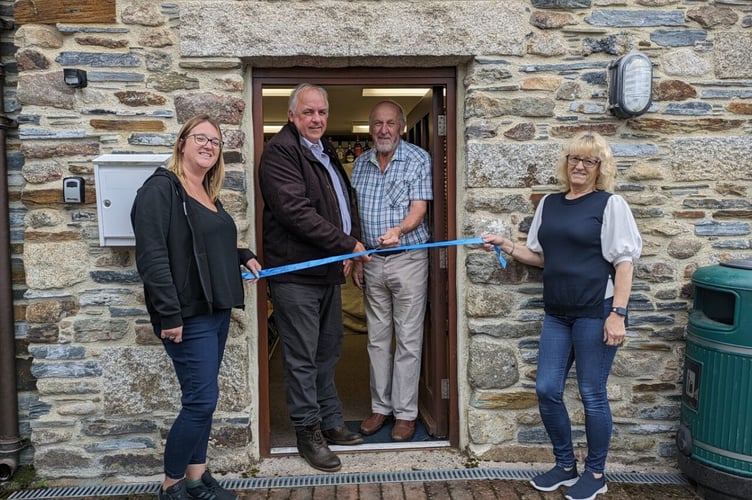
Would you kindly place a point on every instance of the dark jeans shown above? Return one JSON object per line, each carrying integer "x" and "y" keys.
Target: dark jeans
{"x": 565, "y": 339}
{"x": 309, "y": 321}
{"x": 196, "y": 360}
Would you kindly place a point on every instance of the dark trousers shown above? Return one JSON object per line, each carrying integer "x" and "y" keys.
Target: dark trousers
{"x": 309, "y": 321}
{"x": 196, "y": 360}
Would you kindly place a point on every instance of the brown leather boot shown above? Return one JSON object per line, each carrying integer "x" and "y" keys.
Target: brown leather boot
{"x": 314, "y": 449}
{"x": 342, "y": 435}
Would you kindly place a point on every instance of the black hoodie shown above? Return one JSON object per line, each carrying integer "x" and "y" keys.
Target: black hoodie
{"x": 171, "y": 256}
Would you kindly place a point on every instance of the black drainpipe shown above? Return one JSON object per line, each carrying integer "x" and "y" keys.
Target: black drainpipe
{"x": 10, "y": 442}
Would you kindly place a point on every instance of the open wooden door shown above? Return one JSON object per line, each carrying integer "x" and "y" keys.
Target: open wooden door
{"x": 431, "y": 126}
{"x": 426, "y": 127}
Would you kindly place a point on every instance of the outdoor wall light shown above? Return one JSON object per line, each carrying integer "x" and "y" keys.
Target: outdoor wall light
{"x": 630, "y": 88}
{"x": 75, "y": 78}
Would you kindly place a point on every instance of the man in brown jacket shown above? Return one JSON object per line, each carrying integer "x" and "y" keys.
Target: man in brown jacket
{"x": 310, "y": 213}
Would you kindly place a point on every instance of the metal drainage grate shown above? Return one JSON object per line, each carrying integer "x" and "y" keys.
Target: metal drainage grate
{"x": 88, "y": 491}
{"x": 336, "y": 480}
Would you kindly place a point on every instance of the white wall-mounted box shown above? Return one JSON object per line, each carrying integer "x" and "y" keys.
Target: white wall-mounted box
{"x": 117, "y": 178}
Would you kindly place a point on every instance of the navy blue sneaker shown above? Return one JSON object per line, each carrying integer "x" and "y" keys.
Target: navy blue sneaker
{"x": 175, "y": 492}
{"x": 558, "y": 476}
{"x": 587, "y": 487}
{"x": 211, "y": 490}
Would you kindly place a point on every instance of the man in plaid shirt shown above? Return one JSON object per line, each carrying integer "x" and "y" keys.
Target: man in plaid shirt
{"x": 393, "y": 185}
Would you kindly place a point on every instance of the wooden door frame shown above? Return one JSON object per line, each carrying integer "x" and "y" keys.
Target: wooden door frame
{"x": 446, "y": 77}
{"x": 433, "y": 401}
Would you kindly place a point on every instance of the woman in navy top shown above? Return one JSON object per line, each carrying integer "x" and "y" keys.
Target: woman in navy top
{"x": 586, "y": 240}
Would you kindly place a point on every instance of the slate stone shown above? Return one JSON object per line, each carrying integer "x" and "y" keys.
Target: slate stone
{"x": 677, "y": 38}
{"x": 635, "y": 18}
{"x": 98, "y": 59}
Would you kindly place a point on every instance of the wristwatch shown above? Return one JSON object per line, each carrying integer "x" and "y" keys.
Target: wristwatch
{"x": 621, "y": 311}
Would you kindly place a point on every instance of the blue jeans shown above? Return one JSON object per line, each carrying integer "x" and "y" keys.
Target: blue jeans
{"x": 196, "y": 360}
{"x": 565, "y": 339}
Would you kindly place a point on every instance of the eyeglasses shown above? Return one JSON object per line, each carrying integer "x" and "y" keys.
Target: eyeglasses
{"x": 201, "y": 140}
{"x": 573, "y": 161}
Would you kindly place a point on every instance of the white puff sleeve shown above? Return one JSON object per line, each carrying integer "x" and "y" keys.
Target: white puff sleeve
{"x": 532, "y": 234}
{"x": 620, "y": 238}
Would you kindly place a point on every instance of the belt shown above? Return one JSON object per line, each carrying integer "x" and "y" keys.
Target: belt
{"x": 385, "y": 253}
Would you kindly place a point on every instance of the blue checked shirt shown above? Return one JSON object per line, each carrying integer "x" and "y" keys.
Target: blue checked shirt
{"x": 384, "y": 199}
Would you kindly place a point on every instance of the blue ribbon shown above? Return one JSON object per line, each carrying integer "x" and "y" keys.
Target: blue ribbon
{"x": 273, "y": 271}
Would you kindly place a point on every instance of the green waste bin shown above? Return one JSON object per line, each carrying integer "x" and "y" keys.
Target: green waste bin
{"x": 715, "y": 433}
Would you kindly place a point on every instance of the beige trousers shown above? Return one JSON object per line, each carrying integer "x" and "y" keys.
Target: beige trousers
{"x": 395, "y": 299}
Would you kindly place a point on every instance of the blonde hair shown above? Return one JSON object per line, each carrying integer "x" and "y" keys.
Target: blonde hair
{"x": 589, "y": 144}
{"x": 216, "y": 175}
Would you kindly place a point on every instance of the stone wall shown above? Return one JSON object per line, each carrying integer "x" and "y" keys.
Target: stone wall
{"x": 96, "y": 391}
{"x": 98, "y": 394}
{"x": 684, "y": 168}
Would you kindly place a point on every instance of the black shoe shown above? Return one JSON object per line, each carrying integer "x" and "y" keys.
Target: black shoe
{"x": 313, "y": 448}
{"x": 211, "y": 490}
{"x": 175, "y": 492}
{"x": 342, "y": 435}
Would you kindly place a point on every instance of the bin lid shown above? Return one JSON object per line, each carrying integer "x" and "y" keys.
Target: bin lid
{"x": 739, "y": 264}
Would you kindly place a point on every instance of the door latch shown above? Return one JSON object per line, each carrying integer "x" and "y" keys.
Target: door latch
{"x": 441, "y": 125}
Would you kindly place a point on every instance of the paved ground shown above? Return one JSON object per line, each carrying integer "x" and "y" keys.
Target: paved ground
{"x": 463, "y": 490}
{"x": 452, "y": 490}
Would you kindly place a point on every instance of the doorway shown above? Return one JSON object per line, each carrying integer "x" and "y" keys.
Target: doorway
{"x": 431, "y": 119}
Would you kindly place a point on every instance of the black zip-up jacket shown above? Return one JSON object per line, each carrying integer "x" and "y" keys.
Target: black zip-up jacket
{"x": 171, "y": 256}
{"x": 301, "y": 214}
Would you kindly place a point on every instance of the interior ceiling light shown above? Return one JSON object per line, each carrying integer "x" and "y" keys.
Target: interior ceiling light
{"x": 273, "y": 128}
{"x": 276, "y": 92}
{"x": 395, "y": 92}
{"x": 360, "y": 128}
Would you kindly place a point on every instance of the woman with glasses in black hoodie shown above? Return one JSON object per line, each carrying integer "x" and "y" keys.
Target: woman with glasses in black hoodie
{"x": 187, "y": 257}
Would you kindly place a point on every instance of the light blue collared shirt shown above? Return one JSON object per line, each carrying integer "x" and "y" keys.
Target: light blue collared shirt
{"x": 339, "y": 185}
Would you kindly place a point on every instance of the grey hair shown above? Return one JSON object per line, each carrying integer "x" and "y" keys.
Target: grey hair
{"x": 292, "y": 104}
{"x": 403, "y": 120}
